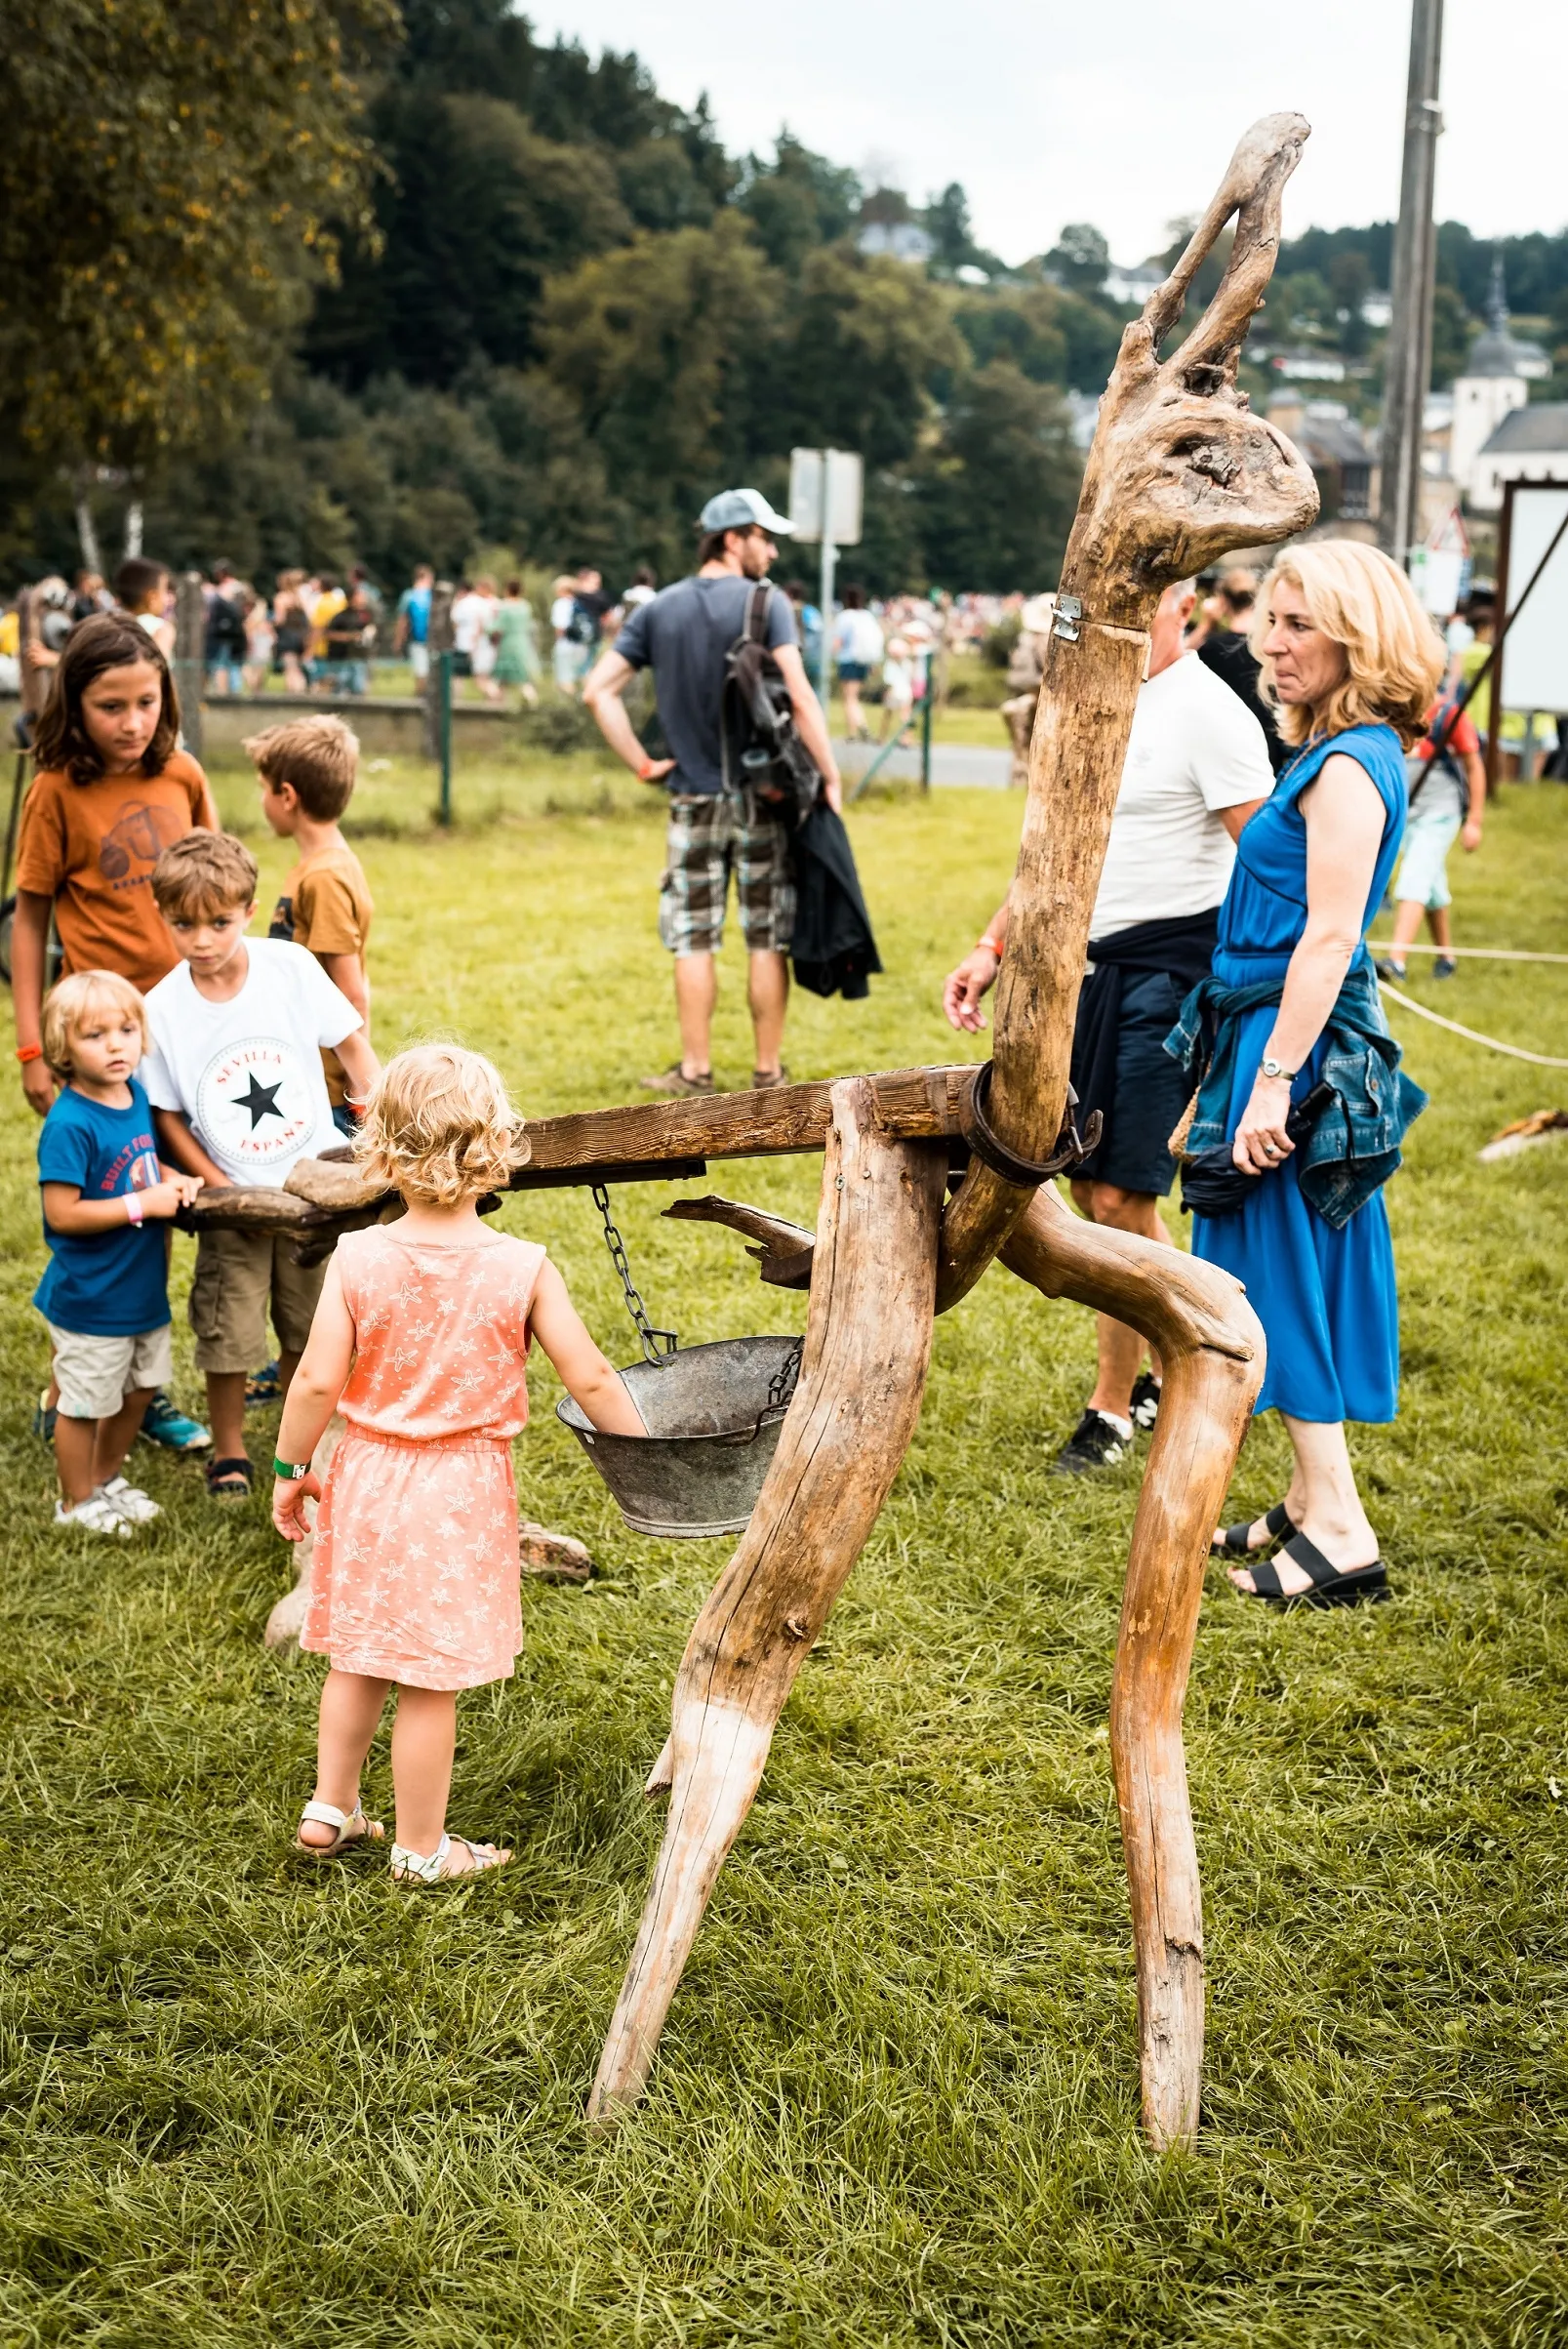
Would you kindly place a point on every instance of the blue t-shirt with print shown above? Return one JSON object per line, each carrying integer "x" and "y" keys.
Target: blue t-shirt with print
{"x": 103, "y": 1284}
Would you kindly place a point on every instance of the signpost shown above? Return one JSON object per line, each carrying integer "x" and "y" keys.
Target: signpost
{"x": 826, "y": 495}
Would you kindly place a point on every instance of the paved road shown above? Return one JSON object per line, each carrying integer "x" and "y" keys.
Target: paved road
{"x": 963, "y": 765}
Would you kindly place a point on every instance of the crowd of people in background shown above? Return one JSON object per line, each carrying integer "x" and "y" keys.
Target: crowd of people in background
{"x": 323, "y": 633}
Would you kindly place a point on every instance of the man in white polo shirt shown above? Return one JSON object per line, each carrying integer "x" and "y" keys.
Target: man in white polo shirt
{"x": 1196, "y": 768}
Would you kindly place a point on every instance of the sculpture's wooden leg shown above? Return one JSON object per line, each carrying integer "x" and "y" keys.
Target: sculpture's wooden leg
{"x": 868, "y": 1348}
{"x": 1212, "y": 1351}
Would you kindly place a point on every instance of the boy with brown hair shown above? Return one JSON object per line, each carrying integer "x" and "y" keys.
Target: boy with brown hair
{"x": 307, "y": 771}
{"x": 238, "y": 1094}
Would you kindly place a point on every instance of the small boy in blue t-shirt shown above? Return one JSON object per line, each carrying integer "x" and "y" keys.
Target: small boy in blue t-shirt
{"x": 106, "y": 1293}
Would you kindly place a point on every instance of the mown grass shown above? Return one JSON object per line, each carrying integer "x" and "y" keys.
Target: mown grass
{"x": 897, "y": 2101}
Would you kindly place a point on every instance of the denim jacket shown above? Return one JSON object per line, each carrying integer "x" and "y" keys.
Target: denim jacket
{"x": 1354, "y": 1147}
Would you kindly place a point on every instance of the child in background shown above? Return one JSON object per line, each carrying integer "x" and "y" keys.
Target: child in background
{"x": 420, "y": 1340}
{"x": 104, "y": 1295}
{"x": 238, "y": 1094}
{"x": 897, "y": 687}
{"x": 141, "y": 592}
{"x": 260, "y": 639}
{"x": 307, "y": 772}
{"x": 112, "y": 790}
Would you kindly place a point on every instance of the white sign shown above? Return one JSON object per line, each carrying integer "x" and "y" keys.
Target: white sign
{"x": 1436, "y": 573}
{"x": 1535, "y": 657}
{"x": 843, "y": 473}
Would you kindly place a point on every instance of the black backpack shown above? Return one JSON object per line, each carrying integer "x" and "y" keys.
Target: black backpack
{"x": 762, "y": 744}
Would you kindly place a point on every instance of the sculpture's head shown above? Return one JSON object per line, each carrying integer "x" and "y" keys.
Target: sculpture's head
{"x": 1182, "y": 469}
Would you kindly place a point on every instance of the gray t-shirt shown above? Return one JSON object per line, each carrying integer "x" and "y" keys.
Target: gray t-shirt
{"x": 683, "y": 635}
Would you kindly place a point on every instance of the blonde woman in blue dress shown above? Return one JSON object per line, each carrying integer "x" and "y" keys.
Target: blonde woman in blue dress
{"x": 1350, "y": 661}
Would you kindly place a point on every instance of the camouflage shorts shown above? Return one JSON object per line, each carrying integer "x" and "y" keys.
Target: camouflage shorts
{"x": 709, "y": 839}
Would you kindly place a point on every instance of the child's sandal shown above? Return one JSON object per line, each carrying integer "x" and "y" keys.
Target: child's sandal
{"x": 414, "y": 1868}
{"x": 230, "y": 1479}
{"x": 352, "y": 1827}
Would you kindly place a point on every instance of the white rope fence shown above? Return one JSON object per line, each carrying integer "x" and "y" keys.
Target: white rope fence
{"x": 1540, "y": 1060}
{"x": 1477, "y": 953}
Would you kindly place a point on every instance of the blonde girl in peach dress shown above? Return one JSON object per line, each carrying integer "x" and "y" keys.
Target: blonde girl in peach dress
{"x": 420, "y": 1340}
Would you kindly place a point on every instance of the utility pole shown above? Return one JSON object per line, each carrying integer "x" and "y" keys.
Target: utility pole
{"x": 1407, "y": 364}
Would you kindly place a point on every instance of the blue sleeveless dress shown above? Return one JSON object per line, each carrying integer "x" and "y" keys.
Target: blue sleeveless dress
{"x": 1326, "y": 1299}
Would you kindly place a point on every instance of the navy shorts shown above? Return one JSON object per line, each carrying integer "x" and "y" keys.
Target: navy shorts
{"x": 1150, "y": 1091}
{"x": 853, "y": 672}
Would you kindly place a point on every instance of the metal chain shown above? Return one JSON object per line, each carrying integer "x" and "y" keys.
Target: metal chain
{"x": 783, "y": 1384}
{"x": 652, "y": 1351}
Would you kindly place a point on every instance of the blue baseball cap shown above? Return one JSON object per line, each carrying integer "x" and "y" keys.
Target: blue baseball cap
{"x": 744, "y": 509}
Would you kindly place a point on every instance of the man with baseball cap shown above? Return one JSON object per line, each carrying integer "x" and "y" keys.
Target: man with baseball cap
{"x": 717, "y": 826}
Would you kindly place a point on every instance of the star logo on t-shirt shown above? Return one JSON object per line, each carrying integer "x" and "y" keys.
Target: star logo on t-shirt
{"x": 257, "y": 1104}
{"x": 261, "y": 1100}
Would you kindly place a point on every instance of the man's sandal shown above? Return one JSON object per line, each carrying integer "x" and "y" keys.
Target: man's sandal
{"x": 1329, "y": 1587}
{"x": 230, "y": 1479}
{"x": 1233, "y": 1543}
{"x": 352, "y": 1827}
{"x": 414, "y": 1868}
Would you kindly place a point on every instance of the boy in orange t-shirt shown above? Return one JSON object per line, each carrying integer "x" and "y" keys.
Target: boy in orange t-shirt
{"x": 307, "y": 772}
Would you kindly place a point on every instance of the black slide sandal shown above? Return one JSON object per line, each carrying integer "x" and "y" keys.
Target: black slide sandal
{"x": 1233, "y": 1543}
{"x": 230, "y": 1479}
{"x": 1329, "y": 1586}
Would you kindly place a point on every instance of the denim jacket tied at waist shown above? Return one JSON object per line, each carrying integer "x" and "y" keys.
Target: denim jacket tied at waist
{"x": 1354, "y": 1147}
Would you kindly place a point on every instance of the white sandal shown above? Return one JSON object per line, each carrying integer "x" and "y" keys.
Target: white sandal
{"x": 414, "y": 1868}
{"x": 352, "y": 1828}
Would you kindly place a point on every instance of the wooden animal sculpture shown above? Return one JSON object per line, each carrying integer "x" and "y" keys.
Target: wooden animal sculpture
{"x": 1180, "y": 473}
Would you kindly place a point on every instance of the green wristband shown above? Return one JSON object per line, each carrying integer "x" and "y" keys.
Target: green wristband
{"x": 290, "y": 1469}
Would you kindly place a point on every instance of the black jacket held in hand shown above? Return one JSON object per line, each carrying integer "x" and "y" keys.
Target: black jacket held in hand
{"x": 832, "y": 947}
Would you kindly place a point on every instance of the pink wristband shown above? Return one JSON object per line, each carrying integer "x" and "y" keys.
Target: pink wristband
{"x": 133, "y": 1209}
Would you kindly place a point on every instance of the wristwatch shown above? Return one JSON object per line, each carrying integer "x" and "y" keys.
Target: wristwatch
{"x": 1269, "y": 1067}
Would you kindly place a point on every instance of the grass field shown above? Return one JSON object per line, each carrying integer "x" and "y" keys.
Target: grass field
{"x": 897, "y": 2101}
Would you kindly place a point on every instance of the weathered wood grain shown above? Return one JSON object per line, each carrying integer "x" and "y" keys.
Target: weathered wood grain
{"x": 1180, "y": 470}
{"x": 1210, "y": 1348}
{"x": 867, "y": 1349}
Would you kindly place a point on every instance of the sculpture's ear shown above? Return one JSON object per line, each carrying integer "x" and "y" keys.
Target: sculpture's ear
{"x": 1253, "y": 188}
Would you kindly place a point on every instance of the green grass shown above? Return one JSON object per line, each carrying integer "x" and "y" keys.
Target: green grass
{"x": 897, "y": 2100}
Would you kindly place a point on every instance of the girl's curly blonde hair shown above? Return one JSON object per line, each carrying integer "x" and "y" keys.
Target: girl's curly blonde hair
{"x": 439, "y": 1128}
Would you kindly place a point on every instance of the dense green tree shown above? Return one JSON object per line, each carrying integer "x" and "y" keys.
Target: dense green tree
{"x": 1453, "y": 331}
{"x": 797, "y": 201}
{"x": 481, "y": 212}
{"x": 1080, "y": 257}
{"x": 1051, "y": 336}
{"x": 999, "y": 487}
{"x": 169, "y": 181}
{"x": 1349, "y": 277}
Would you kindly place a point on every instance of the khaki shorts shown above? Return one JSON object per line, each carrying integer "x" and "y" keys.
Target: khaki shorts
{"x": 239, "y": 1275}
{"x": 96, "y": 1374}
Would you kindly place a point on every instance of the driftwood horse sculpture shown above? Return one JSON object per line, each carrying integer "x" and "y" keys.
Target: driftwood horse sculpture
{"x": 1179, "y": 471}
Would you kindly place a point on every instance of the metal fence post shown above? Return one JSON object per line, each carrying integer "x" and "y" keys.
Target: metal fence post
{"x": 438, "y": 641}
{"x": 442, "y": 676}
{"x": 190, "y": 635}
{"x": 925, "y": 724}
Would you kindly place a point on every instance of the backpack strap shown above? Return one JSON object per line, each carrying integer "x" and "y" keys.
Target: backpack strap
{"x": 756, "y": 618}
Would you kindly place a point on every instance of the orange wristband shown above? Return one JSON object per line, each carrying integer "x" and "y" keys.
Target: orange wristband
{"x": 27, "y": 1052}
{"x": 988, "y": 940}
{"x": 645, "y": 770}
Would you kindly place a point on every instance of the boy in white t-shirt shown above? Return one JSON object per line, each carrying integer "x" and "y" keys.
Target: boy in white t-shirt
{"x": 238, "y": 1094}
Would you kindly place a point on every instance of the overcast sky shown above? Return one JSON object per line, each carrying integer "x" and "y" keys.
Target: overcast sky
{"x": 1122, "y": 112}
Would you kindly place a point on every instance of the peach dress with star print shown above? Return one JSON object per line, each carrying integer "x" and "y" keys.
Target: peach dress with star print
{"x": 415, "y": 1571}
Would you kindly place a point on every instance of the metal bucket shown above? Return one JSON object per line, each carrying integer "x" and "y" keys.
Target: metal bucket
{"x": 714, "y": 1415}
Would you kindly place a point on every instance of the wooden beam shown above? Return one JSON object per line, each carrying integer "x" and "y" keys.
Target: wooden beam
{"x": 907, "y": 1104}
